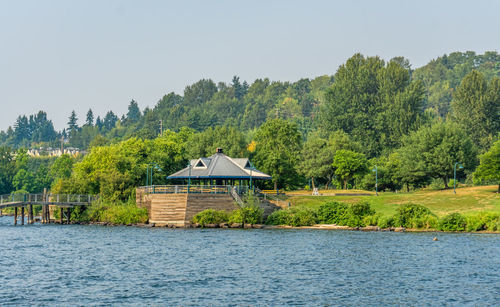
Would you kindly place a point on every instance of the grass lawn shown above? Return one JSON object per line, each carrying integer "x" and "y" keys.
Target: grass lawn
{"x": 468, "y": 200}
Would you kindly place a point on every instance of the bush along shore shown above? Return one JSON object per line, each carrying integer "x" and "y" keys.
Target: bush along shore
{"x": 108, "y": 213}
{"x": 330, "y": 215}
{"x": 360, "y": 216}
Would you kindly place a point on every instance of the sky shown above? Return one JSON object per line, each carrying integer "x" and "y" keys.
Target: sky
{"x": 64, "y": 55}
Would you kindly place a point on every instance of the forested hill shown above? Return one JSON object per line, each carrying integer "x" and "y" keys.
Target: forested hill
{"x": 370, "y": 99}
{"x": 444, "y": 74}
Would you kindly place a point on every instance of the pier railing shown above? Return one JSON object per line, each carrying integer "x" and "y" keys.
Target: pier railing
{"x": 47, "y": 198}
{"x": 194, "y": 189}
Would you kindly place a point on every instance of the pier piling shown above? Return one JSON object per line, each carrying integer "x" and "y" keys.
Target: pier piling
{"x": 22, "y": 215}
{"x": 31, "y": 218}
{"x": 15, "y": 215}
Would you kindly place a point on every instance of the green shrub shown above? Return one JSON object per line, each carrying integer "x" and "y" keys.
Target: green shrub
{"x": 303, "y": 217}
{"x": 361, "y": 209}
{"x": 247, "y": 215}
{"x": 483, "y": 221}
{"x": 453, "y": 222}
{"x": 372, "y": 220}
{"x": 343, "y": 214}
{"x": 211, "y": 216}
{"x": 385, "y": 222}
{"x": 123, "y": 214}
{"x": 96, "y": 211}
{"x": 294, "y": 217}
{"x": 333, "y": 213}
{"x": 409, "y": 214}
{"x": 356, "y": 214}
{"x": 279, "y": 217}
{"x": 451, "y": 181}
{"x": 80, "y": 214}
{"x": 115, "y": 213}
{"x": 436, "y": 184}
{"x": 429, "y": 221}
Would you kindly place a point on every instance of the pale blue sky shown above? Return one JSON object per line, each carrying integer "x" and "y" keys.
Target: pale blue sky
{"x": 65, "y": 55}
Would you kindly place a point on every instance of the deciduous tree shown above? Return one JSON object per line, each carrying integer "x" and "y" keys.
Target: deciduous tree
{"x": 349, "y": 164}
{"x": 489, "y": 167}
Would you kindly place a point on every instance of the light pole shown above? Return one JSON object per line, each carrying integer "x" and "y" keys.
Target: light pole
{"x": 460, "y": 166}
{"x": 251, "y": 169}
{"x": 189, "y": 176}
{"x": 376, "y": 180}
{"x": 149, "y": 172}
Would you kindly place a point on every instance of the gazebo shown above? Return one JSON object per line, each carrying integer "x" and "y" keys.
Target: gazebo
{"x": 218, "y": 183}
{"x": 220, "y": 170}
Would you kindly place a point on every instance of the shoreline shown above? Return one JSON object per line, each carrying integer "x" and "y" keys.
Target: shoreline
{"x": 270, "y": 227}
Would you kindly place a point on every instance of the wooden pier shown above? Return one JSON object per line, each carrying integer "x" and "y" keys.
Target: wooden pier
{"x": 25, "y": 203}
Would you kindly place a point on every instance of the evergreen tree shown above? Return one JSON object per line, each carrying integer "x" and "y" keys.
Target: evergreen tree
{"x": 98, "y": 122}
{"x": 72, "y": 123}
{"x": 109, "y": 120}
{"x": 239, "y": 89}
{"x": 90, "y": 118}
{"x": 22, "y": 129}
{"x": 133, "y": 114}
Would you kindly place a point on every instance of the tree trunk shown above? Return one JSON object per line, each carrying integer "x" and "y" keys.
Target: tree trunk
{"x": 407, "y": 187}
{"x": 345, "y": 184}
{"x": 445, "y": 180}
{"x": 328, "y": 182}
{"x": 312, "y": 181}
{"x": 275, "y": 185}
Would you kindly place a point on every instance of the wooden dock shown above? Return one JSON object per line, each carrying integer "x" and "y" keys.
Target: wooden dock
{"x": 23, "y": 205}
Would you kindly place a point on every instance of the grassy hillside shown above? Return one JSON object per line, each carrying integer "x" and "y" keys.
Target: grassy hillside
{"x": 467, "y": 200}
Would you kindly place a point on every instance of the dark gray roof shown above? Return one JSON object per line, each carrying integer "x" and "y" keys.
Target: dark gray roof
{"x": 219, "y": 166}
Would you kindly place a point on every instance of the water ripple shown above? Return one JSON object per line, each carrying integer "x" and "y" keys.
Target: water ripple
{"x": 94, "y": 266}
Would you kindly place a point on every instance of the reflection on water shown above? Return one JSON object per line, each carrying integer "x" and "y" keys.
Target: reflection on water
{"x": 89, "y": 265}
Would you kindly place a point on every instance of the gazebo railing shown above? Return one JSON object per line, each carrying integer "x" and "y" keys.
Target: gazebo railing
{"x": 194, "y": 189}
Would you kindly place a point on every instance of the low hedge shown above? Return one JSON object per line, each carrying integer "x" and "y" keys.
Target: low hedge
{"x": 453, "y": 222}
{"x": 298, "y": 216}
{"x": 114, "y": 213}
{"x": 411, "y": 215}
{"x": 211, "y": 216}
{"x": 247, "y": 215}
{"x": 483, "y": 221}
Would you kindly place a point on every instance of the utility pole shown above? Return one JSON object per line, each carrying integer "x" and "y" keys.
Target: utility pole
{"x": 161, "y": 127}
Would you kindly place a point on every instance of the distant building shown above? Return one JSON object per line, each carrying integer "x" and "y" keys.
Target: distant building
{"x": 52, "y": 152}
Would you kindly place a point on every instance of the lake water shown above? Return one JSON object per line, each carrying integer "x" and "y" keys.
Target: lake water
{"x": 94, "y": 265}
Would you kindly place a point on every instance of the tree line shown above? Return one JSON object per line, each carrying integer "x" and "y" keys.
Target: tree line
{"x": 331, "y": 130}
